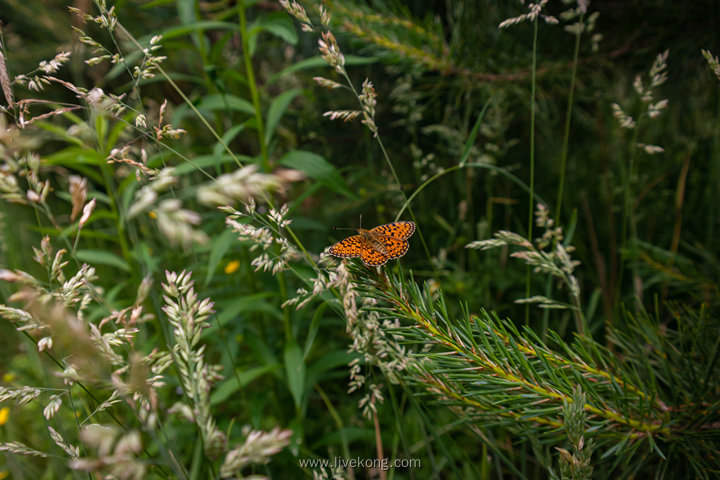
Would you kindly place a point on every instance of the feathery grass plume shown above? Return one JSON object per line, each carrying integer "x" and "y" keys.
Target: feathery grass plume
{"x": 646, "y": 93}
{"x": 713, "y": 62}
{"x": 581, "y": 24}
{"x": 333, "y": 56}
{"x": 178, "y": 224}
{"x": 188, "y": 315}
{"x": 146, "y": 197}
{"x": 5, "y": 79}
{"x": 52, "y": 407}
{"x": 149, "y": 62}
{"x": 369, "y": 331}
{"x": 37, "y": 82}
{"x": 19, "y": 395}
{"x": 625, "y": 120}
{"x": 59, "y": 318}
{"x": 21, "y": 449}
{"x": 401, "y": 37}
{"x": 550, "y": 256}
{"x": 78, "y": 194}
{"x": 371, "y": 337}
{"x": 256, "y": 450}
{"x": 575, "y": 465}
{"x": 269, "y": 240}
{"x": 534, "y": 12}
{"x": 332, "y": 473}
{"x": 117, "y": 453}
{"x": 73, "y": 451}
{"x": 244, "y": 183}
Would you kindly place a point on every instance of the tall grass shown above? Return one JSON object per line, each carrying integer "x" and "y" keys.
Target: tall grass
{"x": 171, "y": 178}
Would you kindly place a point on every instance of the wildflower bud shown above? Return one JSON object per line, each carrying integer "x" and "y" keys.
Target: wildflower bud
{"x": 78, "y": 194}
{"x": 140, "y": 121}
{"x": 45, "y": 191}
{"x": 95, "y": 95}
{"x": 45, "y": 343}
{"x": 87, "y": 211}
{"x": 9, "y": 276}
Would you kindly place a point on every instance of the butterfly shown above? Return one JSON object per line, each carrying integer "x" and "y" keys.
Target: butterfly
{"x": 377, "y": 245}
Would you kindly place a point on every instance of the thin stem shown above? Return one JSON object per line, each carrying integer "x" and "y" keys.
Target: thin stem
{"x": 378, "y": 444}
{"x": 395, "y": 177}
{"x": 531, "y": 199}
{"x": 627, "y": 173}
{"x": 253, "y": 87}
{"x": 566, "y": 133}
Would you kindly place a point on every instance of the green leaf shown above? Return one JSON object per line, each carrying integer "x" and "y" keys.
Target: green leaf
{"x": 314, "y": 327}
{"x": 238, "y": 381}
{"x": 206, "y": 161}
{"x": 257, "y": 302}
{"x": 277, "y": 110}
{"x": 226, "y": 102}
{"x": 218, "y": 247}
{"x": 175, "y": 32}
{"x": 473, "y": 135}
{"x": 318, "y": 62}
{"x": 228, "y": 137}
{"x": 295, "y": 370}
{"x": 329, "y": 361}
{"x": 102, "y": 257}
{"x": 316, "y": 167}
{"x": 71, "y": 156}
{"x": 60, "y": 132}
{"x": 280, "y": 25}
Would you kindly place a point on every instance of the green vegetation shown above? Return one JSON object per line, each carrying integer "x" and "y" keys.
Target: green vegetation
{"x": 173, "y": 173}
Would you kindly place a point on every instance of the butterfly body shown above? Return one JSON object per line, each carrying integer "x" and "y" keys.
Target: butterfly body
{"x": 377, "y": 245}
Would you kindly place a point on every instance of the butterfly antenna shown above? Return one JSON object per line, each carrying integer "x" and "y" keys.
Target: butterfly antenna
{"x": 345, "y": 228}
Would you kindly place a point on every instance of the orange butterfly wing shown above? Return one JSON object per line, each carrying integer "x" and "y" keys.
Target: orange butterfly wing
{"x": 392, "y": 236}
{"x": 402, "y": 230}
{"x": 395, "y": 247}
{"x": 373, "y": 258}
{"x": 350, "y": 247}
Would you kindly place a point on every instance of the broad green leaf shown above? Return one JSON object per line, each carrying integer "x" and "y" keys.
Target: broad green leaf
{"x": 280, "y": 25}
{"x": 235, "y": 382}
{"x": 102, "y": 257}
{"x": 330, "y": 361}
{"x": 316, "y": 167}
{"x": 228, "y": 310}
{"x": 186, "y": 11}
{"x": 261, "y": 350}
{"x": 277, "y": 110}
{"x": 210, "y": 103}
{"x": 473, "y": 135}
{"x": 295, "y": 371}
{"x": 314, "y": 327}
{"x": 207, "y": 161}
{"x": 218, "y": 247}
{"x": 226, "y": 102}
{"x": 175, "y": 32}
{"x": 318, "y": 62}
{"x": 68, "y": 157}
{"x": 61, "y": 132}
{"x": 228, "y": 137}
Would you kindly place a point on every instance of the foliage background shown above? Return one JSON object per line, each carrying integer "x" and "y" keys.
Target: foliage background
{"x": 644, "y": 227}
